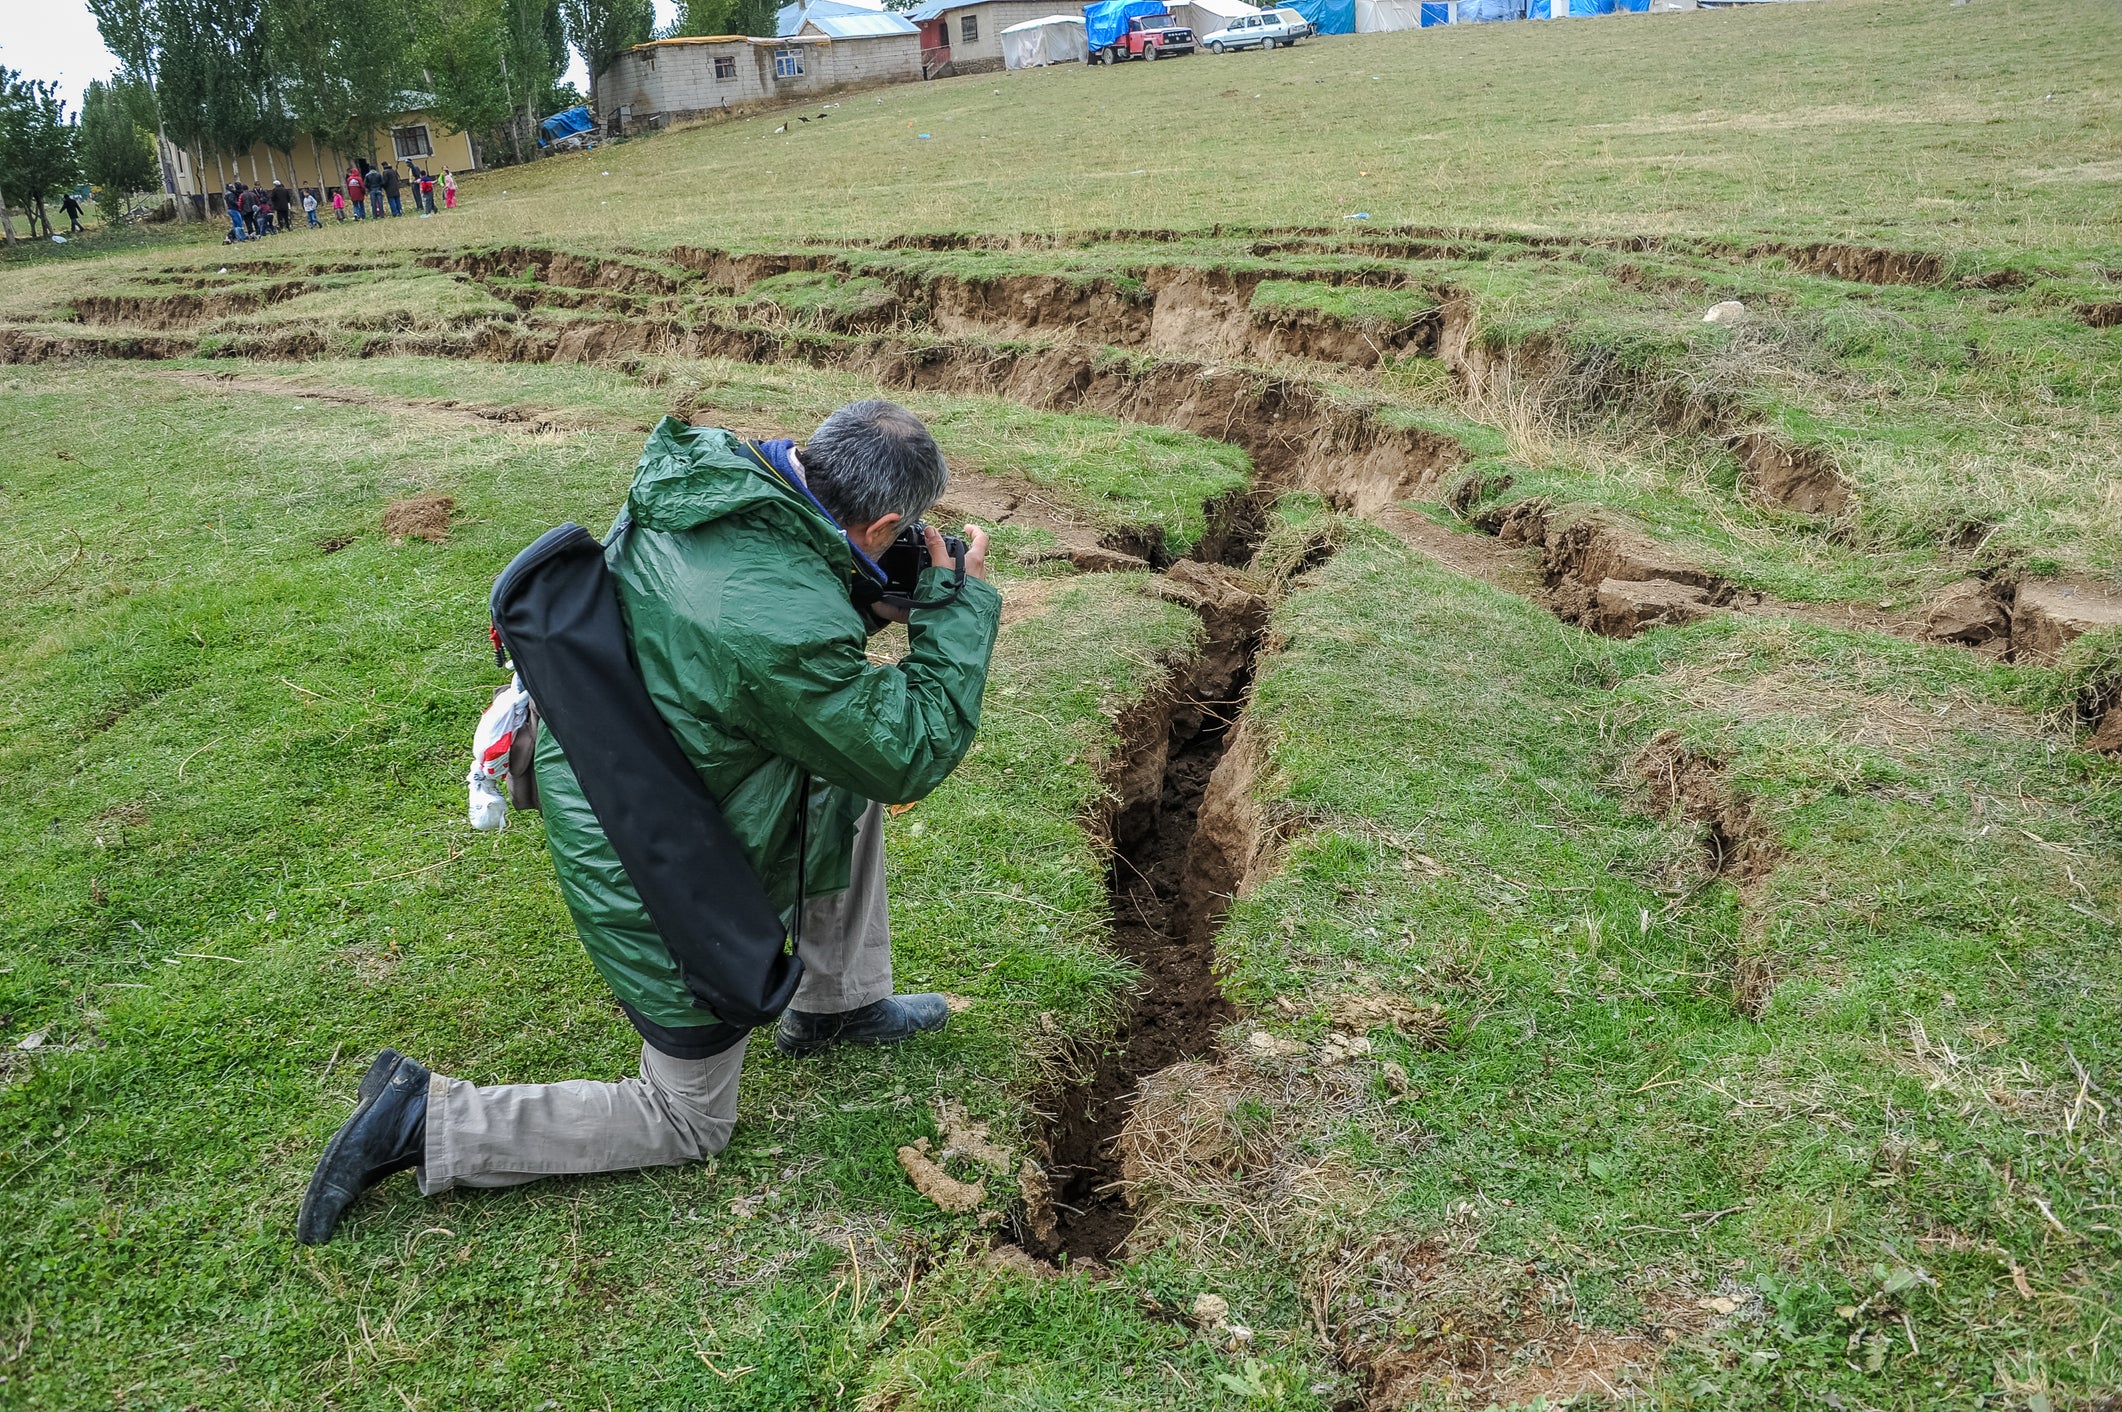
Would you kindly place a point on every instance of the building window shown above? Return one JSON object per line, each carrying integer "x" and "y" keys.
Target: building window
{"x": 968, "y": 29}
{"x": 788, "y": 63}
{"x": 412, "y": 142}
{"x": 725, "y": 66}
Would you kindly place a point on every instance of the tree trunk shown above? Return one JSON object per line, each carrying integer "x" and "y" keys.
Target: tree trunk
{"x": 7, "y": 222}
{"x": 316, "y": 158}
{"x": 41, "y": 216}
{"x": 162, "y": 151}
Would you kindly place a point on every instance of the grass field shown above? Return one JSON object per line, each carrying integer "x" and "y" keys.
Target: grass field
{"x": 1666, "y": 770}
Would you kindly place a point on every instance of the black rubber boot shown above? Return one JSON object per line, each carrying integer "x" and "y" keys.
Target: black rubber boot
{"x": 885, "y": 1021}
{"x": 386, "y": 1134}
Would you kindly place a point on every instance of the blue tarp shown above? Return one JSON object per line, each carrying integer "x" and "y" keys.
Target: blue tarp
{"x": 565, "y": 124}
{"x": 1327, "y": 16}
{"x": 1436, "y": 14}
{"x": 1107, "y": 20}
{"x": 1591, "y": 7}
{"x": 1633, "y": 7}
{"x": 1486, "y": 11}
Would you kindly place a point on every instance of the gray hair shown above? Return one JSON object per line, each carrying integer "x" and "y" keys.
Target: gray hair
{"x": 872, "y": 459}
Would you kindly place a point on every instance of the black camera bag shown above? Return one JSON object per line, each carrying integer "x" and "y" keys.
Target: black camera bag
{"x": 556, "y": 610}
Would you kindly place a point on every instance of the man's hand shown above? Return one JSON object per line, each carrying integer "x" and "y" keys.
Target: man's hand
{"x": 975, "y": 550}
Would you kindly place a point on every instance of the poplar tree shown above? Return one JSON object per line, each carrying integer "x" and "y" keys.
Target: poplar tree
{"x": 602, "y": 30}
{"x": 117, "y": 151}
{"x": 132, "y": 29}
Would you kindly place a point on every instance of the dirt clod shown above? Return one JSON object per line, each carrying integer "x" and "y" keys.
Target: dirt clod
{"x": 939, "y": 1186}
{"x": 963, "y": 1137}
{"x": 1972, "y": 613}
{"x": 419, "y": 517}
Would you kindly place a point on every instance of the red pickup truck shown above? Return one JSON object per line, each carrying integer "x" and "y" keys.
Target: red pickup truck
{"x": 1148, "y": 37}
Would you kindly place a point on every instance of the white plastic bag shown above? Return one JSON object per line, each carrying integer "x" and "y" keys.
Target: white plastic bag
{"x": 488, "y": 780}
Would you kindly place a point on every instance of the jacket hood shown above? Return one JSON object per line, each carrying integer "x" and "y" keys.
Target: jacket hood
{"x": 690, "y": 476}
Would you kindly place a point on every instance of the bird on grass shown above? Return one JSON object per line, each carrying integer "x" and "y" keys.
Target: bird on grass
{"x": 782, "y": 128}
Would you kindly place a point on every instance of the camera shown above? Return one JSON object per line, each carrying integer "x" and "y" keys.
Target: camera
{"x": 902, "y": 562}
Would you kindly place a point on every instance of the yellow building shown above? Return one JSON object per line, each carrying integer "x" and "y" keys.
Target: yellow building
{"x": 418, "y": 138}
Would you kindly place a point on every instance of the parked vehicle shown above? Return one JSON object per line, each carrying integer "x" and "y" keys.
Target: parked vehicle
{"x": 1133, "y": 29}
{"x": 1262, "y": 31}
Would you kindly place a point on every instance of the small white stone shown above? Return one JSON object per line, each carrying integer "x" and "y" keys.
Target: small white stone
{"x": 1730, "y": 311}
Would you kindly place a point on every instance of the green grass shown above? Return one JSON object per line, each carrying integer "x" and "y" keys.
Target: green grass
{"x": 238, "y": 865}
{"x": 236, "y": 860}
{"x": 1351, "y": 304}
{"x": 1459, "y": 765}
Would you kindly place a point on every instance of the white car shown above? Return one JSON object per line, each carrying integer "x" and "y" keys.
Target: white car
{"x": 1264, "y": 30}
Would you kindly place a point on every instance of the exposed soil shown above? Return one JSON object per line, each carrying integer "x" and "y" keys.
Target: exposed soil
{"x": 163, "y": 312}
{"x": 1170, "y": 886}
{"x": 1791, "y": 477}
{"x": 419, "y": 517}
{"x": 1737, "y": 845}
{"x": 1864, "y": 264}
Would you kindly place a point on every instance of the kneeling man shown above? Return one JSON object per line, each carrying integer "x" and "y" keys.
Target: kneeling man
{"x": 735, "y": 577}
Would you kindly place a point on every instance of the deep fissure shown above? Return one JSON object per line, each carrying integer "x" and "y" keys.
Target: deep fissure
{"x": 1169, "y": 888}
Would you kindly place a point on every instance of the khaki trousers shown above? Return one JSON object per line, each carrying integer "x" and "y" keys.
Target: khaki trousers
{"x": 678, "y": 1110}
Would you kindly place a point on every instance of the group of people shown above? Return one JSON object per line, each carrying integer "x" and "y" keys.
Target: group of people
{"x": 255, "y": 212}
{"x": 370, "y": 189}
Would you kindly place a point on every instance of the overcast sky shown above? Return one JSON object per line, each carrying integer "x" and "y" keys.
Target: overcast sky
{"x": 57, "y": 40}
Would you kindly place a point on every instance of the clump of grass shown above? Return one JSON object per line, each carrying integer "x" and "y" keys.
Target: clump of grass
{"x": 1359, "y": 306}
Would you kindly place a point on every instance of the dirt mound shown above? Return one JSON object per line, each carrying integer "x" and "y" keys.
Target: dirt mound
{"x": 419, "y": 517}
{"x": 1791, "y": 477}
{"x": 2102, "y": 315}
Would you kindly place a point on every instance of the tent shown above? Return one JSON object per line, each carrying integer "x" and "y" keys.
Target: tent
{"x": 1056, "y": 39}
{"x": 1327, "y": 16}
{"x": 1379, "y": 16}
{"x": 1208, "y": 16}
{"x": 1106, "y": 20}
{"x": 1439, "y": 12}
{"x": 1487, "y": 11}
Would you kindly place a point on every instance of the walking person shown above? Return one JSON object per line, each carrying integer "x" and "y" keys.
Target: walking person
{"x": 427, "y": 193}
{"x": 232, "y": 204}
{"x": 735, "y": 575}
{"x": 449, "y": 190}
{"x": 338, "y": 205}
{"x": 375, "y": 193}
{"x": 357, "y": 192}
{"x": 283, "y": 203}
{"x": 390, "y": 188}
{"x": 309, "y": 209}
{"x": 72, "y": 207}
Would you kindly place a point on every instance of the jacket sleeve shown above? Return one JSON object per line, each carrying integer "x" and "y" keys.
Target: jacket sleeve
{"x": 807, "y": 691}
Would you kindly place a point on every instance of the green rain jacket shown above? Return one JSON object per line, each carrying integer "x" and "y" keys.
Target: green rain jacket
{"x": 735, "y": 590}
